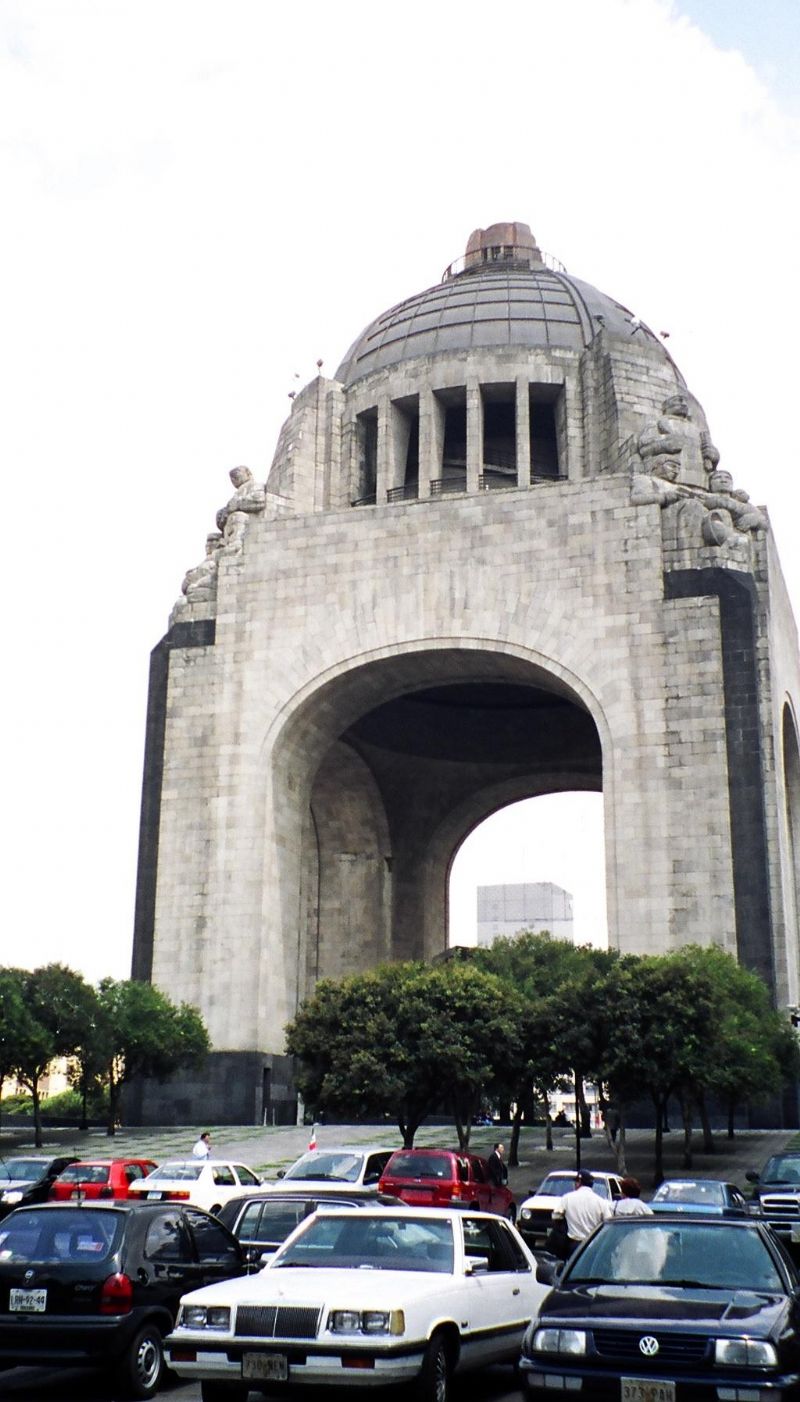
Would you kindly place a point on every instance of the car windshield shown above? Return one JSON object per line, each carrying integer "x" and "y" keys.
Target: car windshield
{"x": 23, "y": 1169}
{"x": 783, "y": 1168}
{"x": 329, "y": 1167}
{"x": 85, "y": 1173}
{"x": 690, "y": 1254}
{"x": 179, "y": 1172}
{"x": 702, "y": 1194}
{"x": 556, "y": 1185}
{"x": 362, "y": 1243}
{"x": 419, "y": 1166}
{"x": 42, "y": 1236}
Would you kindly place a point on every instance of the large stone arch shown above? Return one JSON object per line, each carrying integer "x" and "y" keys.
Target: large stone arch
{"x": 405, "y": 750}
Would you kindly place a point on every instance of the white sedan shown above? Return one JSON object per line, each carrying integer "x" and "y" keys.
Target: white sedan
{"x": 383, "y": 1295}
{"x": 206, "y": 1183}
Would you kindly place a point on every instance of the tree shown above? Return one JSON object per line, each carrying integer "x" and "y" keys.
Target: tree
{"x": 57, "y": 1002}
{"x": 404, "y": 1039}
{"x": 145, "y": 1035}
{"x": 13, "y": 1019}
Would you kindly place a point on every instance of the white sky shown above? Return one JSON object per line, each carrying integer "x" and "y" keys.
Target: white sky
{"x": 200, "y": 199}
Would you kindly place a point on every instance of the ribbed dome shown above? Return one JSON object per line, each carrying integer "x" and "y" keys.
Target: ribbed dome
{"x": 516, "y": 306}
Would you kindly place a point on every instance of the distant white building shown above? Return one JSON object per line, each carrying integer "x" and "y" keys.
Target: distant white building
{"x": 537, "y": 906}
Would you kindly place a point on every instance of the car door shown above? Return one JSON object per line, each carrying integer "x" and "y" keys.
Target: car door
{"x": 218, "y": 1255}
{"x": 169, "y": 1258}
{"x": 498, "y": 1290}
{"x": 482, "y": 1190}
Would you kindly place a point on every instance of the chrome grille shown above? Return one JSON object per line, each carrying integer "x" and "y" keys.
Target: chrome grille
{"x": 277, "y": 1321}
{"x": 672, "y": 1348}
{"x": 783, "y": 1208}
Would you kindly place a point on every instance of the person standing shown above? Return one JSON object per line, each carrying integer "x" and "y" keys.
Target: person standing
{"x": 498, "y": 1173}
{"x": 630, "y": 1204}
{"x": 582, "y": 1209}
{"x": 202, "y": 1149}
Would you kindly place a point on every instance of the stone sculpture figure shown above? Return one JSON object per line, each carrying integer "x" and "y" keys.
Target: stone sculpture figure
{"x": 659, "y": 487}
{"x": 249, "y": 498}
{"x": 200, "y": 583}
{"x": 674, "y": 438}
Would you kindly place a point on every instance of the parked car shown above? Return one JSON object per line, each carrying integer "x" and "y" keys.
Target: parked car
{"x": 99, "y": 1178}
{"x": 657, "y": 1308}
{"x": 208, "y": 1183}
{"x": 701, "y": 1196}
{"x": 394, "y": 1295}
{"x": 28, "y": 1178}
{"x": 536, "y": 1213}
{"x": 262, "y": 1221}
{"x": 437, "y": 1177}
{"x": 100, "y": 1284}
{"x": 777, "y": 1192}
{"x": 362, "y": 1166}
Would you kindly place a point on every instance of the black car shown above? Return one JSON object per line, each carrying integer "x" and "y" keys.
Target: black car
{"x": 678, "y": 1310}
{"x": 100, "y": 1283}
{"x": 777, "y": 1192}
{"x": 28, "y": 1178}
{"x": 262, "y": 1221}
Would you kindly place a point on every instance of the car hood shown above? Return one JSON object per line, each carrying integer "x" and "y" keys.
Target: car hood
{"x": 757, "y": 1311}
{"x": 547, "y": 1200}
{"x": 353, "y": 1289}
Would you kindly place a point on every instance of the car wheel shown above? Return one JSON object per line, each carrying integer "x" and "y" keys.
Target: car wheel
{"x": 215, "y": 1391}
{"x": 435, "y": 1376}
{"x": 141, "y": 1368}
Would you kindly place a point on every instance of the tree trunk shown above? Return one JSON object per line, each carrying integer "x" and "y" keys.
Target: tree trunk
{"x": 84, "y": 1125}
{"x": 620, "y": 1145}
{"x": 709, "y": 1147}
{"x": 686, "y": 1113}
{"x": 113, "y": 1096}
{"x": 658, "y": 1165}
{"x": 582, "y": 1116}
{"x": 513, "y": 1144}
{"x": 37, "y": 1113}
{"x": 731, "y": 1113}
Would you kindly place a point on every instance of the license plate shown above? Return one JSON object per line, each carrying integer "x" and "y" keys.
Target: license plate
{"x": 647, "y": 1390}
{"x": 272, "y": 1367}
{"x": 27, "y": 1301}
{"x": 153, "y": 1197}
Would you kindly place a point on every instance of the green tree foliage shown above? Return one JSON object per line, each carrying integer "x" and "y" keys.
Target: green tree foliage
{"x": 57, "y": 1002}
{"x": 404, "y": 1040}
{"x": 141, "y": 1033}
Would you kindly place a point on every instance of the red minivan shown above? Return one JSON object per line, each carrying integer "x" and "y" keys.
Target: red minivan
{"x": 439, "y": 1177}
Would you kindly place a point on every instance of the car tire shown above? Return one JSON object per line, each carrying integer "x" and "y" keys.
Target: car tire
{"x": 213, "y": 1390}
{"x": 140, "y": 1371}
{"x": 434, "y": 1378}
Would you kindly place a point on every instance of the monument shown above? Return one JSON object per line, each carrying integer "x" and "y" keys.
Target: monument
{"x": 495, "y": 556}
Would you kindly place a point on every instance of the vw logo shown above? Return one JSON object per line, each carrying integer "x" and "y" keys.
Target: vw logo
{"x": 28, "y": 1277}
{"x": 648, "y": 1346}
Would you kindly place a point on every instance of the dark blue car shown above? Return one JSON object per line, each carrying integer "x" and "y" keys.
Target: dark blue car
{"x": 703, "y": 1196}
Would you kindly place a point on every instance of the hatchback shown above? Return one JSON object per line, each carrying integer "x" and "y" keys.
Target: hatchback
{"x": 101, "y": 1178}
{"x": 439, "y": 1177}
{"x": 99, "y": 1284}
{"x": 28, "y": 1178}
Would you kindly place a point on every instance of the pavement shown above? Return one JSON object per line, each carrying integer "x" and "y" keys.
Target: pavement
{"x": 268, "y": 1149}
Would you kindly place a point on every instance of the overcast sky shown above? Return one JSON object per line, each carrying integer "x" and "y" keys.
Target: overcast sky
{"x": 202, "y": 199}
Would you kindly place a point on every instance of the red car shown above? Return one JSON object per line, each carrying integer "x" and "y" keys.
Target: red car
{"x": 439, "y": 1177}
{"x": 100, "y": 1178}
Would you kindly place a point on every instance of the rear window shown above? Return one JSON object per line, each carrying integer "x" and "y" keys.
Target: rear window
{"x": 39, "y": 1237}
{"x": 421, "y": 1166}
{"x": 179, "y": 1172}
{"x": 327, "y": 1167}
{"x": 85, "y": 1173}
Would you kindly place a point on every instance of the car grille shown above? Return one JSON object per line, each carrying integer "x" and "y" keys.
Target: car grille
{"x": 782, "y": 1209}
{"x": 672, "y": 1348}
{"x": 277, "y": 1321}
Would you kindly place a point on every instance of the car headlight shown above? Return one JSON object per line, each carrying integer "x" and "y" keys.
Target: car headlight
{"x": 366, "y": 1322}
{"x": 525, "y": 1213}
{"x": 205, "y": 1317}
{"x": 559, "y": 1341}
{"x": 745, "y": 1353}
{"x": 13, "y": 1195}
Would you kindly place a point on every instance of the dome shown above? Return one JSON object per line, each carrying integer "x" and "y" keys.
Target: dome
{"x": 501, "y": 294}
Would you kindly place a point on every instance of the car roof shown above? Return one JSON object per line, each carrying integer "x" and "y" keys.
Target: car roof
{"x": 351, "y": 1149}
{"x": 354, "y": 1194}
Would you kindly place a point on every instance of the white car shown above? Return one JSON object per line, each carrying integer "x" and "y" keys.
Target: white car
{"x": 382, "y": 1295}
{"x": 207, "y": 1183}
{"x": 535, "y": 1216}
{"x": 358, "y": 1164}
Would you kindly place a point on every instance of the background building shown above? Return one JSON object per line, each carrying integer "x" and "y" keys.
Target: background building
{"x": 536, "y": 906}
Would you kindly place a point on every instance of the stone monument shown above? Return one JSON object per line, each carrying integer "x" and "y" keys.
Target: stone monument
{"x": 495, "y": 557}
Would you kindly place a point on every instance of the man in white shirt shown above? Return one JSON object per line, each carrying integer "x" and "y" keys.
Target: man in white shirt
{"x": 582, "y": 1209}
{"x": 202, "y": 1148}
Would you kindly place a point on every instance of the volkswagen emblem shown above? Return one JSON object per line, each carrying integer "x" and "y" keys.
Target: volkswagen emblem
{"x": 28, "y": 1277}
{"x": 648, "y": 1346}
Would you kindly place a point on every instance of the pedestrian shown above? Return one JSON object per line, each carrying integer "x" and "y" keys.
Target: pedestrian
{"x": 630, "y": 1204}
{"x": 202, "y": 1149}
{"x": 582, "y": 1210}
{"x": 498, "y": 1173}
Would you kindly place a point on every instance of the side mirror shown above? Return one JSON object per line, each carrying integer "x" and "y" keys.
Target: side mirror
{"x": 281, "y": 1173}
{"x": 751, "y": 1175}
{"x": 265, "y": 1258}
{"x": 476, "y": 1265}
{"x": 548, "y": 1270}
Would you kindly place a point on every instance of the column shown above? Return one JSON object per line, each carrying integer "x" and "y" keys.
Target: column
{"x": 385, "y": 479}
{"x": 431, "y": 439}
{"x": 523, "y": 432}
{"x": 474, "y": 434}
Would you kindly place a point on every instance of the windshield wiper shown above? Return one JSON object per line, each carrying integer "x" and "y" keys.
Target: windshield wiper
{"x": 296, "y": 1265}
